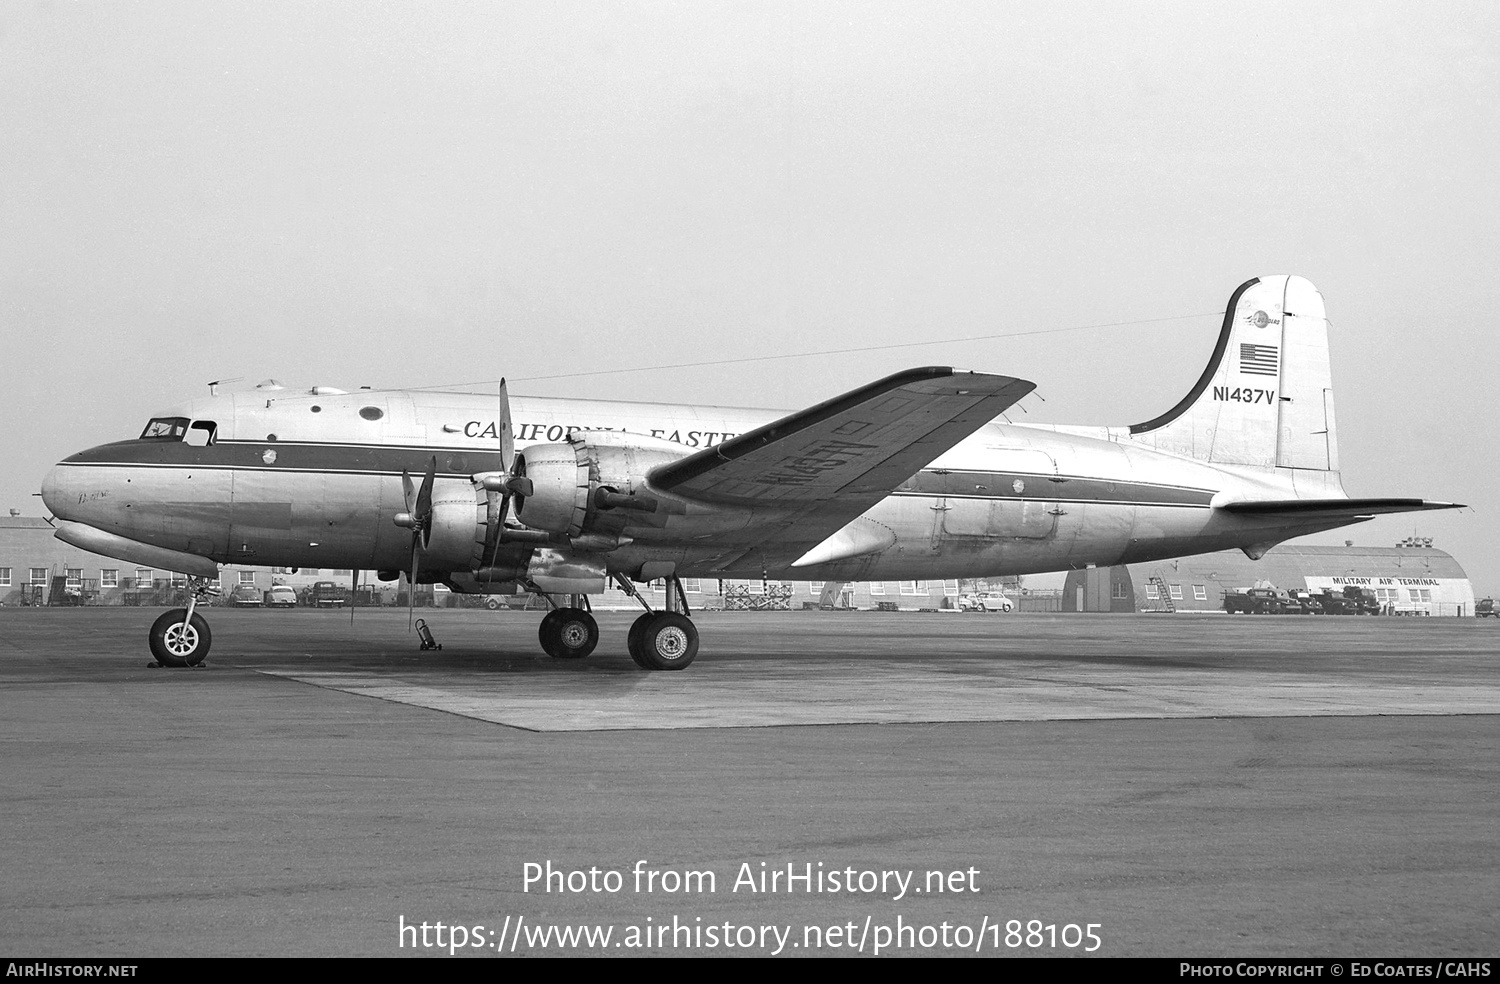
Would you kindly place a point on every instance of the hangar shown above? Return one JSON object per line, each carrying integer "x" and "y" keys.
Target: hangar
{"x": 1412, "y": 578}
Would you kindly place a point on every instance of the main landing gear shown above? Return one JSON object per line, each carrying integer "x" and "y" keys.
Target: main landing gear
{"x": 666, "y": 640}
{"x": 659, "y": 640}
{"x": 571, "y": 632}
{"x": 180, "y": 637}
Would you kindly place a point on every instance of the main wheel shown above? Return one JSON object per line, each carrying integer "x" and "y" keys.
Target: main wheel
{"x": 568, "y": 633}
{"x": 175, "y": 644}
{"x": 667, "y": 641}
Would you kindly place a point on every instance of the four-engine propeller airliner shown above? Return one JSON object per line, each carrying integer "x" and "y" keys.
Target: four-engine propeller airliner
{"x": 915, "y": 476}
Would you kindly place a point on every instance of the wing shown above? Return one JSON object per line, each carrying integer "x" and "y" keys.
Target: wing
{"x": 814, "y": 471}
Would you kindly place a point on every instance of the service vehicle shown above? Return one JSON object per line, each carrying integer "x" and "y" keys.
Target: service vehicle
{"x": 281, "y": 596}
{"x": 1486, "y": 608}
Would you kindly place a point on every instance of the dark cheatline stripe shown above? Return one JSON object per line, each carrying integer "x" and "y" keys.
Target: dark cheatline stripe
{"x": 276, "y": 456}
{"x": 386, "y": 460}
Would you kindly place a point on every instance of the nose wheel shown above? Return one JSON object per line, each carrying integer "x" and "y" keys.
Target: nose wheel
{"x": 181, "y": 637}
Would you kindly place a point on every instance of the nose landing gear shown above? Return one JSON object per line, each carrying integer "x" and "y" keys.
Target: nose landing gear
{"x": 181, "y": 637}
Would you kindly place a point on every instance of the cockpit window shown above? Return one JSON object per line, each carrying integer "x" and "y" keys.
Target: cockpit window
{"x": 165, "y": 429}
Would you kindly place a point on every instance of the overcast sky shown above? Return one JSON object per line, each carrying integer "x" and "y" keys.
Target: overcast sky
{"x": 412, "y": 194}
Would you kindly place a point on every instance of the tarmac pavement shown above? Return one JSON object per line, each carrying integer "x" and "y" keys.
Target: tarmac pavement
{"x": 1171, "y": 785}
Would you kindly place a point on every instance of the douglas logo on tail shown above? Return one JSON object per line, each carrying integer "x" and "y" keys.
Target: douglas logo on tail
{"x": 914, "y": 476}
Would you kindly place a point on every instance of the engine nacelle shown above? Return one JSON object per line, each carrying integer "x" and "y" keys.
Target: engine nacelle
{"x": 592, "y": 484}
{"x": 462, "y": 518}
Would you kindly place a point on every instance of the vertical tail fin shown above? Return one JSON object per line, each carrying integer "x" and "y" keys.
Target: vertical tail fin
{"x": 1266, "y": 397}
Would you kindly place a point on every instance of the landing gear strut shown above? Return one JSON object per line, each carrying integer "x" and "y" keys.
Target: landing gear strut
{"x": 180, "y": 637}
{"x": 666, "y": 640}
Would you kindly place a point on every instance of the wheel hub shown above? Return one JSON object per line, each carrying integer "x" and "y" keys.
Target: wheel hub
{"x": 671, "y": 642}
{"x": 181, "y": 640}
{"x": 574, "y": 635}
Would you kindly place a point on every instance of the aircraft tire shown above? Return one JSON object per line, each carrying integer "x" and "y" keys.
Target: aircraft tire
{"x": 668, "y": 641}
{"x": 633, "y": 641}
{"x": 568, "y": 633}
{"x": 172, "y": 646}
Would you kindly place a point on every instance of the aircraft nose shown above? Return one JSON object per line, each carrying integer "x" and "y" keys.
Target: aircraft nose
{"x": 55, "y": 491}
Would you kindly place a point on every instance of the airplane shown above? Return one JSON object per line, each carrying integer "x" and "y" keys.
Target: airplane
{"x": 914, "y": 476}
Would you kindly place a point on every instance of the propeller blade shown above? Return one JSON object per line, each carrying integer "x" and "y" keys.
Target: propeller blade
{"x": 353, "y": 590}
{"x": 407, "y": 489}
{"x": 507, "y": 437}
{"x": 424, "y": 501}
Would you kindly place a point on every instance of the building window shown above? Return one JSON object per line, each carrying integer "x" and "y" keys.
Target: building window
{"x": 1421, "y": 595}
{"x": 38, "y": 575}
{"x": 913, "y": 587}
{"x": 143, "y": 576}
{"x": 691, "y": 585}
{"x": 1200, "y": 592}
{"x": 1151, "y": 592}
{"x": 247, "y": 577}
{"x": 75, "y": 577}
{"x": 950, "y": 588}
{"x": 755, "y": 587}
{"x": 877, "y": 587}
{"x": 1117, "y": 590}
{"x": 1176, "y": 591}
{"x": 109, "y": 579}
{"x": 815, "y": 587}
{"x": 4, "y": 577}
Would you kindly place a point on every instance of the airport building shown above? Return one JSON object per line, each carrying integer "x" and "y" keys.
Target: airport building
{"x": 1411, "y": 579}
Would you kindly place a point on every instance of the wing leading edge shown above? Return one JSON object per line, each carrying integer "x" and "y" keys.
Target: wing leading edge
{"x": 819, "y": 468}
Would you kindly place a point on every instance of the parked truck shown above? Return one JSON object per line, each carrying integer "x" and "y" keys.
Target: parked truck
{"x": 1254, "y": 601}
{"x": 1349, "y": 601}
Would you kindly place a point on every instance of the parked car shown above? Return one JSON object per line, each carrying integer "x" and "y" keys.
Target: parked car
{"x": 1486, "y": 609}
{"x": 281, "y": 596}
{"x": 991, "y": 601}
{"x": 245, "y": 596}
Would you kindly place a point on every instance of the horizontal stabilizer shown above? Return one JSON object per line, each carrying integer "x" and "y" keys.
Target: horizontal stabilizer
{"x": 1331, "y": 508}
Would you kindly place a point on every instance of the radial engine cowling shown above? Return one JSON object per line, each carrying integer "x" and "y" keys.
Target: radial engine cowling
{"x": 595, "y": 483}
{"x": 462, "y": 519}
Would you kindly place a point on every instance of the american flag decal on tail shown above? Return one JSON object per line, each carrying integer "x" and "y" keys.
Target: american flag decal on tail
{"x": 1258, "y": 360}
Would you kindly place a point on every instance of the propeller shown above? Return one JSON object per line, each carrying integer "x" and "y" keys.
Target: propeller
{"x": 509, "y": 481}
{"x": 417, "y": 518}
